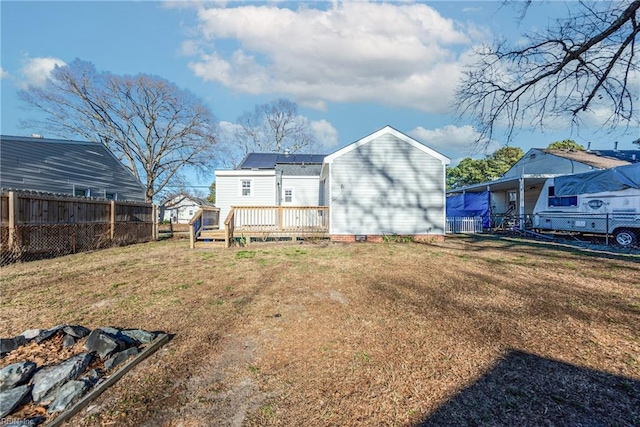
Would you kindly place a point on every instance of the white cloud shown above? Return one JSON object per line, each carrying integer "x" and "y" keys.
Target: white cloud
{"x": 3, "y": 73}
{"x": 450, "y": 138}
{"x": 325, "y": 133}
{"x": 36, "y": 71}
{"x": 394, "y": 54}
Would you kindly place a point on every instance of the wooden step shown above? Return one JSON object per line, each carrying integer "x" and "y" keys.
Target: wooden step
{"x": 212, "y": 235}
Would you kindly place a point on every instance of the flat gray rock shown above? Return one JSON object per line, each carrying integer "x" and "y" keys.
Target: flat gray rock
{"x": 47, "y": 380}
{"x": 139, "y": 335}
{"x": 68, "y": 341}
{"x": 103, "y": 343}
{"x": 48, "y": 333}
{"x": 30, "y": 334}
{"x": 119, "y": 358}
{"x": 76, "y": 331}
{"x": 7, "y": 345}
{"x": 18, "y": 373}
{"x": 68, "y": 394}
{"x": 10, "y": 399}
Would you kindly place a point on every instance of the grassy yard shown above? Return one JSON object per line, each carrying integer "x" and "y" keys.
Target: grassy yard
{"x": 475, "y": 331}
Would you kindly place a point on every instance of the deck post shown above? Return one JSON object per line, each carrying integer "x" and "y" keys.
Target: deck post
{"x": 192, "y": 236}
{"x": 280, "y": 211}
{"x": 13, "y": 206}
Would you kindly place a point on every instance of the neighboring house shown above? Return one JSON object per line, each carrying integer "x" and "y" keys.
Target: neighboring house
{"x": 383, "y": 184}
{"x": 83, "y": 169}
{"x": 179, "y": 209}
{"x": 517, "y": 191}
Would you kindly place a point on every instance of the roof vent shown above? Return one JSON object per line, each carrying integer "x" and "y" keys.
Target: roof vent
{"x": 36, "y": 135}
{"x": 615, "y": 146}
{"x": 286, "y": 152}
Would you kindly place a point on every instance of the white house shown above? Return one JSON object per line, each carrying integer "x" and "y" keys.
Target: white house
{"x": 383, "y": 184}
{"x": 386, "y": 183}
{"x": 179, "y": 209}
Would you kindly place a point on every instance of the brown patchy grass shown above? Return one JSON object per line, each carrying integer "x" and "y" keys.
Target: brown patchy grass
{"x": 363, "y": 334}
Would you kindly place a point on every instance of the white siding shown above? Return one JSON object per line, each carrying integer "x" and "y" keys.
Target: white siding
{"x": 306, "y": 190}
{"x": 228, "y": 190}
{"x": 179, "y": 209}
{"x": 387, "y": 186}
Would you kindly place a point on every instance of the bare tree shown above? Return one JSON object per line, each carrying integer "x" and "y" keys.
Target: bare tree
{"x": 155, "y": 128}
{"x": 272, "y": 128}
{"x": 584, "y": 64}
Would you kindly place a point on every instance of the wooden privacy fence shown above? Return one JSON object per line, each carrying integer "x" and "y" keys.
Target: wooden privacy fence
{"x": 38, "y": 225}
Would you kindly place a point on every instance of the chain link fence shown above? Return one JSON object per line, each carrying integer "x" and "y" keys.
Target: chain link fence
{"x": 621, "y": 229}
{"x": 37, "y": 226}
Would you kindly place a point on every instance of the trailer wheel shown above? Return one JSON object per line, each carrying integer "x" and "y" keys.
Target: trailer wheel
{"x": 625, "y": 237}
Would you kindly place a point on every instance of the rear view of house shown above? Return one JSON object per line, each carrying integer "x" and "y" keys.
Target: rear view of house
{"x": 384, "y": 184}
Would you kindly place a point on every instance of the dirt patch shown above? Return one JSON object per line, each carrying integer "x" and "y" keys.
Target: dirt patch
{"x": 362, "y": 334}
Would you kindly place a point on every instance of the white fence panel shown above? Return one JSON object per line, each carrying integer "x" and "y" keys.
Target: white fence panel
{"x": 464, "y": 225}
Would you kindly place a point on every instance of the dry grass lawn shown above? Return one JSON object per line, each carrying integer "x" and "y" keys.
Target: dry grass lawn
{"x": 472, "y": 331}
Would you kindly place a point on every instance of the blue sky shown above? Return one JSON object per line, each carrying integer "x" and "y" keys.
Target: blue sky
{"x": 352, "y": 67}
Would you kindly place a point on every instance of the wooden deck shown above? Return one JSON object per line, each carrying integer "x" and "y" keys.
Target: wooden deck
{"x": 266, "y": 223}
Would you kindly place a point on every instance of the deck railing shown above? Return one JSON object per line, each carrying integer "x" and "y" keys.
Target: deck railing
{"x": 276, "y": 221}
{"x": 205, "y": 219}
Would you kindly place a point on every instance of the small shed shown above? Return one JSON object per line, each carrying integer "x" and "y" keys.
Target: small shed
{"x": 385, "y": 184}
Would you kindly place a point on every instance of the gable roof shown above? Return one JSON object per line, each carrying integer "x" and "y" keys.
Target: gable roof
{"x": 175, "y": 199}
{"x": 270, "y": 160}
{"x": 59, "y": 166}
{"x": 591, "y": 158}
{"x": 387, "y": 130}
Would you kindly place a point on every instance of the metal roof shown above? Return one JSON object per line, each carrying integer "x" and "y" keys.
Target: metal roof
{"x": 631, "y": 156}
{"x": 62, "y": 166}
{"x": 269, "y": 160}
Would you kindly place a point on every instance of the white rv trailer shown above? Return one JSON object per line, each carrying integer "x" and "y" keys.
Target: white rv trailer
{"x": 598, "y": 202}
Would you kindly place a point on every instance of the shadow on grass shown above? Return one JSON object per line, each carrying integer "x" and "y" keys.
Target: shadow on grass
{"x": 523, "y": 389}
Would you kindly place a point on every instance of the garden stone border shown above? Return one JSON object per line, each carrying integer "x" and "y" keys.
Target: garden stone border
{"x": 160, "y": 340}
{"x": 67, "y": 384}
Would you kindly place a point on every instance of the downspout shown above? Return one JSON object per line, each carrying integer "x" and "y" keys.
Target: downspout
{"x": 278, "y": 187}
{"x": 521, "y": 210}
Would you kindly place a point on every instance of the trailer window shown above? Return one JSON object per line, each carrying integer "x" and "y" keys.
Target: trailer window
{"x": 561, "y": 201}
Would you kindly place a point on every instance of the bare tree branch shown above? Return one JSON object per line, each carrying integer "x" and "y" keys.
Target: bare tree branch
{"x": 581, "y": 66}
{"x": 155, "y": 128}
{"x": 272, "y": 128}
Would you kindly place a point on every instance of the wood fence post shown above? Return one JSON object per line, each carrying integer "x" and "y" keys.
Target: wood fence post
{"x": 13, "y": 206}
{"x": 280, "y": 218}
{"x": 154, "y": 212}
{"x": 112, "y": 220}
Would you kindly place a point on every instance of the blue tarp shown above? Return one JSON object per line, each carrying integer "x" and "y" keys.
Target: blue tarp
{"x": 614, "y": 179}
{"x": 470, "y": 204}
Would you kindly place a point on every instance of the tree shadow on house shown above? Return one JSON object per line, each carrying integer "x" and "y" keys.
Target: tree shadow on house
{"x": 523, "y": 389}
